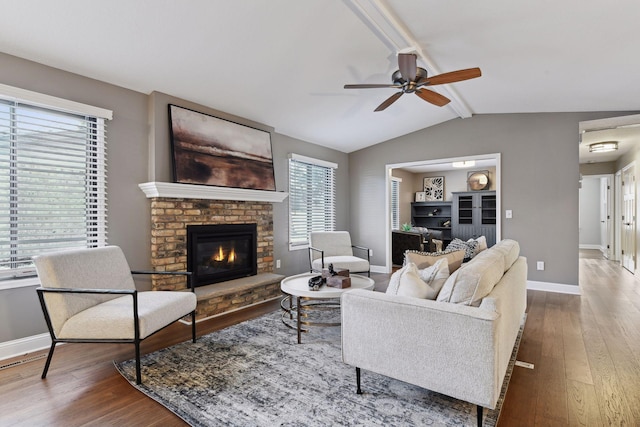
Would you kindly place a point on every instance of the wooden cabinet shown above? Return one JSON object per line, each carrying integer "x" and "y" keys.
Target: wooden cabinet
{"x": 474, "y": 215}
{"x": 434, "y": 216}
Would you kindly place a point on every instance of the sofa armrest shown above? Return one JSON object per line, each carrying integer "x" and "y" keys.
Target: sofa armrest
{"x": 447, "y": 348}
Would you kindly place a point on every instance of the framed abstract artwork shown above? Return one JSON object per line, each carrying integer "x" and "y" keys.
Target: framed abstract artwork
{"x": 208, "y": 150}
{"x": 434, "y": 188}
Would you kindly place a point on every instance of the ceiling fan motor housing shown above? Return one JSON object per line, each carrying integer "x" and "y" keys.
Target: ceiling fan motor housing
{"x": 409, "y": 87}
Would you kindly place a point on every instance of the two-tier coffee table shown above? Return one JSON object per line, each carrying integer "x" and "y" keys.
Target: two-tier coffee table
{"x": 295, "y": 314}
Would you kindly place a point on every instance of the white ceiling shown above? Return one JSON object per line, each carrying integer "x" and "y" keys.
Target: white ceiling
{"x": 284, "y": 62}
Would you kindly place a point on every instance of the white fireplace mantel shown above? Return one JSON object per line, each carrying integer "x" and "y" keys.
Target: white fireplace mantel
{"x": 189, "y": 191}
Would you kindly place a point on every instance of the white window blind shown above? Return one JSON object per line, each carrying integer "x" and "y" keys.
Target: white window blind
{"x": 312, "y": 198}
{"x": 52, "y": 183}
{"x": 395, "y": 203}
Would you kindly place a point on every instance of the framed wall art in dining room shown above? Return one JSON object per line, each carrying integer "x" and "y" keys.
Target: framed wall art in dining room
{"x": 208, "y": 150}
{"x": 434, "y": 188}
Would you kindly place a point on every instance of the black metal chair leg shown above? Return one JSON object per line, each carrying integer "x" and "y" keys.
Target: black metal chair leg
{"x": 138, "y": 373}
{"x": 479, "y": 408}
{"x": 48, "y": 362}
{"x": 358, "y": 391}
{"x": 193, "y": 325}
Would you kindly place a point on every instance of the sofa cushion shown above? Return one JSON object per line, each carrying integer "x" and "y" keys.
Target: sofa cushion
{"x": 469, "y": 284}
{"x": 409, "y": 280}
{"x": 510, "y": 250}
{"x": 427, "y": 259}
{"x": 469, "y": 248}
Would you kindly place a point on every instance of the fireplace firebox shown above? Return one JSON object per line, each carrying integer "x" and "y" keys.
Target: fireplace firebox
{"x": 220, "y": 252}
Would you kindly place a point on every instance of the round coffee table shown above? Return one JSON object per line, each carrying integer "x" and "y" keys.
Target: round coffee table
{"x": 307, "y": 300}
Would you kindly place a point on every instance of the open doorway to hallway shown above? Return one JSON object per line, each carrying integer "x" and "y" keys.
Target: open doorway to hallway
{"x": 609, "y": 149}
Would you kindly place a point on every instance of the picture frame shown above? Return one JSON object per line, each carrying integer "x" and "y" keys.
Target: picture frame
{"x": 434, "y": 188}
{"x": 420, "y": 196}
{"x": 208, "y": 150}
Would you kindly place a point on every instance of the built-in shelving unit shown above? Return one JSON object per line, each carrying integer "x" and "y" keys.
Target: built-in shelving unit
{"x": 474, "y": 215}
{"x": 434, "y": 216}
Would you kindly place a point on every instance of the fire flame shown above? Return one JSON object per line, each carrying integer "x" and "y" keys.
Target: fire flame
{"x": 220, "y": 256}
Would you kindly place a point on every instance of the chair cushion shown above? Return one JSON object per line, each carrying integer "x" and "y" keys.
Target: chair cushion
{"x": 98, "y": 268}
{"x": 331, "y": 242}
{"x": 352, "y": 263}
{"x": 113, "y": 319}
{"x": 427, "y": 259}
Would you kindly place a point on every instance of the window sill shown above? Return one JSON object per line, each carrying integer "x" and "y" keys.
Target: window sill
{"x": 19, "y": 283}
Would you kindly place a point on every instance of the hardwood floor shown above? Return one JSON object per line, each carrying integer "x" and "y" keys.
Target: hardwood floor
{"x": 585, "y": 349}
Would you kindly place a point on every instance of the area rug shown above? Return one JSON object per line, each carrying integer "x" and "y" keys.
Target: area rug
{"x": 254, "y": 374}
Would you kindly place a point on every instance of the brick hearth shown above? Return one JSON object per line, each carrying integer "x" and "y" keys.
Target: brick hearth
{"x": 169, "y": 220}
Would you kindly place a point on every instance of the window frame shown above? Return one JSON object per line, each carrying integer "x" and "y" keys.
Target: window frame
{"x": 95, "y": 199}
{"x": 317, "y": 165}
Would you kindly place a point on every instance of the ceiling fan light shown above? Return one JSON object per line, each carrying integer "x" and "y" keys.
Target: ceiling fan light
{"x": 464, "y": 164}
{"x": 603, "y": 147}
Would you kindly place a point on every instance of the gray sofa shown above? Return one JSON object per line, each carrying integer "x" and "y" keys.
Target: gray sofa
{"x": 462, "y": 351}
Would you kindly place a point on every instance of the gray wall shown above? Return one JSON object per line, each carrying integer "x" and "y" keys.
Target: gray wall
{"x": 128, "y": 210}
{"x": 539, "y": 181}
{"x": 589, "y": 208}
{"x": 138, "y": 151}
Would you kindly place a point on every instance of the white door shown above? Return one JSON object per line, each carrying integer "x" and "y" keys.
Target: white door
{"x": 629, "y": 218}
{"x": 605, "y": 217}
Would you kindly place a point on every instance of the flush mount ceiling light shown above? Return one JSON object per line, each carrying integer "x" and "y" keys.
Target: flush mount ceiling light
{"x": 603, "y": 147}
{"x": 465, "y": 164}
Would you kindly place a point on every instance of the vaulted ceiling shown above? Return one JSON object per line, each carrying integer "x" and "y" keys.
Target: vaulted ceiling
{"x": 284, "y": 62}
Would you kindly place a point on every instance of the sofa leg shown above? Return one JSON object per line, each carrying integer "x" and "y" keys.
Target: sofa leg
{"x": 479, "y": 415}
{"x": 359, "y": 390}
{"x": 48, "y": 362}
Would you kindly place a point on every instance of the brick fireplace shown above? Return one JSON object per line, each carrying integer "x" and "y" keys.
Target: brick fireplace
{"x": 170, "y": 217}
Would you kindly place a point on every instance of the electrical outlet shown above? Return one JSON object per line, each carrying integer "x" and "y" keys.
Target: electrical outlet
{"x": 508, "y": 213}
{"x": 370, "y": 252}
{"x": 277, "y": 263}
{"x": 540, "y": 265}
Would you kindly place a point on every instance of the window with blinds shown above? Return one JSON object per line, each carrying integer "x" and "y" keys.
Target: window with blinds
{"x": 52, "y": 183}
{"x": 312, "y": 198}
{"x": 395, "y": 204}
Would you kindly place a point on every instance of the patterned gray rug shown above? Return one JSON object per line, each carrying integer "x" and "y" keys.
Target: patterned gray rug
{"x": 254, "y": 374}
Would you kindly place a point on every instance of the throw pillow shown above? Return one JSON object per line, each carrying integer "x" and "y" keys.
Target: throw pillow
{"x": 482, "y": 244}
{"x": 427, "y": 259}
{"x": 412, "y": 285}
{"x": 469, "y": 248}
{"x": 469, "y": 284}
{"x": 394, "y": 281}
{"x": 436, "y": 275}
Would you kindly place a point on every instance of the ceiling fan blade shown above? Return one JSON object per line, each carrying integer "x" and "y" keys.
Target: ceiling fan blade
{"x": 407, "y": 65}
{"x": 393, "y": 98}
{"x": 433, "y": 97}
{"x": 454, "y": 76}
{"x": 370, "y": 86}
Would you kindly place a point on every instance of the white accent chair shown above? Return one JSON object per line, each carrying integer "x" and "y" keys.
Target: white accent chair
{"x": 334, "y": 247}
{"x": 89, "y": 296}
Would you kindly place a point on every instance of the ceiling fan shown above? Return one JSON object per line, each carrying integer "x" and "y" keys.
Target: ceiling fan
{"x": 412, "y": 79}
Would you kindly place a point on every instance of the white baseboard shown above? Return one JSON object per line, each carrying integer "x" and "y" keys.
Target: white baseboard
{"x": 553, "y": 287}
{"x": 587, "y": 246}
{"x": 378, "y": 269}
{"x": 25, "y": 345}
